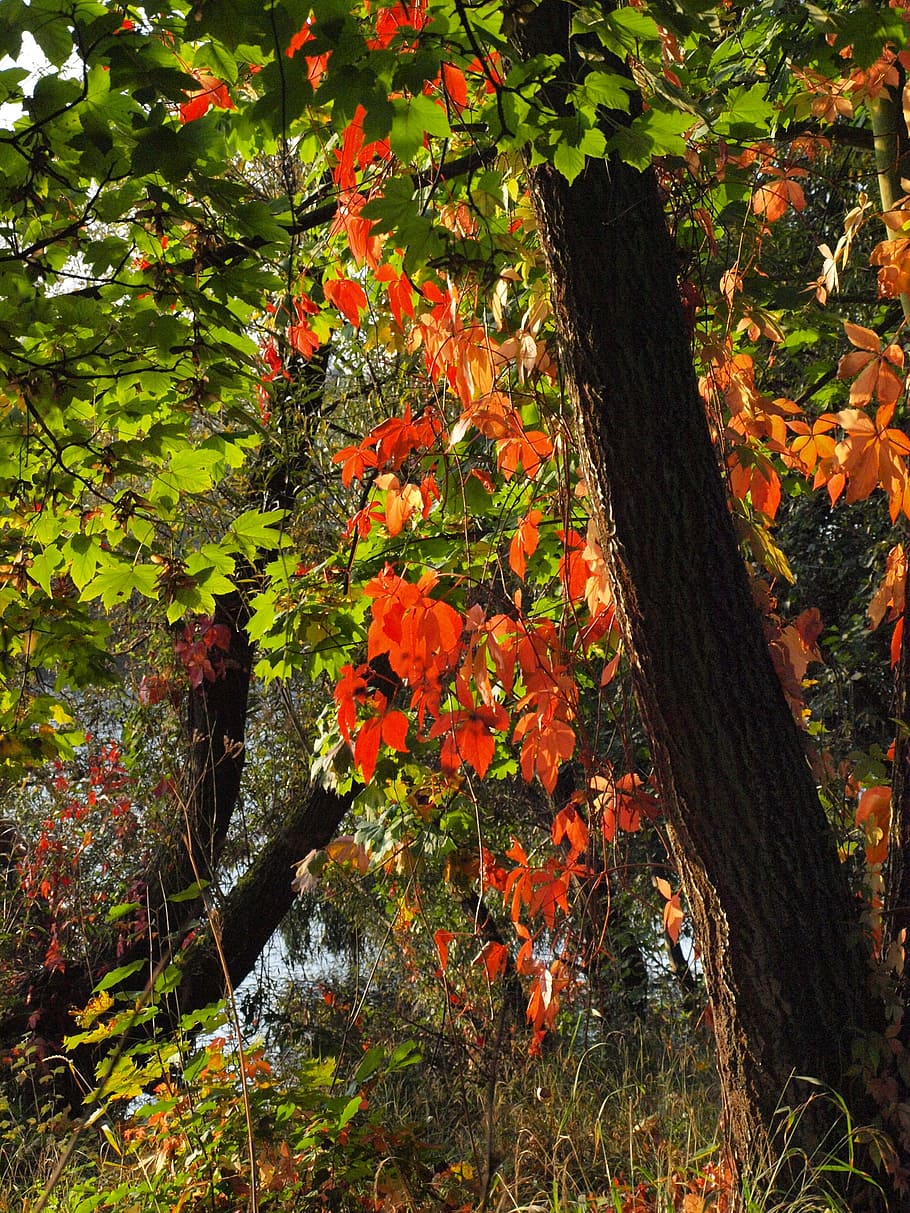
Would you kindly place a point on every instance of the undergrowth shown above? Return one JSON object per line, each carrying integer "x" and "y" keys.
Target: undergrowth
{"x": 619, "y": 1120}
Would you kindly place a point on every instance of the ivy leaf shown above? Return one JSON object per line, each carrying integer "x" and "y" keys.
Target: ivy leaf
{"x": 606, "y": 88}
{"x": 51, "y": 31}
{"x": 397, "y": 212}
{"x": 416, "y": 118}
{"x": 746, "y": 114}
{"x": 115, "y": 976}
{"x": 570, "y": 158}
{"x": 114, "y": 585}
{"x": 621, "y": 31}
{"x": 258, "y": 530}
{"x": 656, "y": 133}
{"x": 83, "y": 554}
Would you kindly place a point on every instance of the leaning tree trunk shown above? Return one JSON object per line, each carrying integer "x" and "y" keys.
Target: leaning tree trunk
{"x": 259, "y": 901}
{"x": 777, "y": 933}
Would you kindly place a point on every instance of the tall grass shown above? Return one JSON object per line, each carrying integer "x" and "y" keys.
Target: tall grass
{"x": 625, "y": 1120}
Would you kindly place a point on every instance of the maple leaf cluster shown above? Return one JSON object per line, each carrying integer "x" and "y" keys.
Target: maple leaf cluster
{"x": 849, "y": 453}
{"x": 201, "y": 648}
{"x": 426, "y": 643}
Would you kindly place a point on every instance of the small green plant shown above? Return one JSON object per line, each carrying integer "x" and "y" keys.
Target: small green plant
{"x": 192, "y": 1124}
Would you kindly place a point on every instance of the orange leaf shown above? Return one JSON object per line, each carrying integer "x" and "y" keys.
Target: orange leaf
{"x": 524, "y": 541}
{"x": 301, "y": 38}
{"x": 873, "y": 814}
{"x": 349, "y": 692}
{"x": 870, "y": 457}
{"x": 888, "y": 600}
{"x": 773, "y": 198}
{"x": 544, "y": 748}
{"x": 622, "y": 802}
{"x": 395, "y": 730}
{"x": 366, "y": 747}
{"x": 812, "y": 445}
{"x": 893, "y": 258}
{"x": 354, "y": 461}
{"x": 389, "y": 21}
{"x": 400, "y": 290}
{"x": 529, "y": 450}
{"x": 573, "y": 571}
{"x": 861, "y": 337}
{"x": 455, "y": 85}
{"x": 468, "y": 737}
{"x": 809, "y": 627}
{"x": 346, "y": 850}
{"x": 212, "y": 93}
{"x": 673, "y": 914}
{"x": 494, "y": 957}
{"x": 897, "y": 640}
{"x": 442, "y": 940}
{"x": 300, "y": 335}
{"x": 569, "y": 824}
{"x": 348, "y": 296}
{"x": 401, "y": 501}
{"x": 873, "y": 366}
{"x": 363, "y": 246}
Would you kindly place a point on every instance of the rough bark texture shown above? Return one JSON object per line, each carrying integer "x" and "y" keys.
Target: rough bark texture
{"x": 216, "y": 715}
{"x": 897, "y": 870}
{"x": 777, "y": 932}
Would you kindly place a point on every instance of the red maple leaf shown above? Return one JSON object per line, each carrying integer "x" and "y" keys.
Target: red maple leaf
{"x": 467, "y": 734}
{"x": 569, "y": 824}
{"x": 212, "y": 93}
{"x": 348, "y": 296}
{"x": 524, "y": 541}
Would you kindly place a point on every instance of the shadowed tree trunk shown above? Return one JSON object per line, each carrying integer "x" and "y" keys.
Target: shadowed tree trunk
{"x": 256, "y": 905}
{"x": 216, "y": 720}
{"x": 778, "y": 935}
{"x": 897, "y": 870}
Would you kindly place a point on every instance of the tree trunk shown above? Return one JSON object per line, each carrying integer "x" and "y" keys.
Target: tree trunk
{"x": 777, "y": 932}
{"x": 897, "y": 867}
{"x": 209, "y": 786}
{"x": 255, "y": 907}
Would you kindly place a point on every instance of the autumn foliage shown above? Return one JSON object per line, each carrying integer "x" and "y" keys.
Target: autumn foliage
{"x": 290, "y": 447}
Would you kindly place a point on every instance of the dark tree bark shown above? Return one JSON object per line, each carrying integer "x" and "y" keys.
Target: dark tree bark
{"x": 216, "y": 718}
{"x": 255, "y": 907}
{"x": 897, "y": 868}
{"x": 778, "y": 934}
